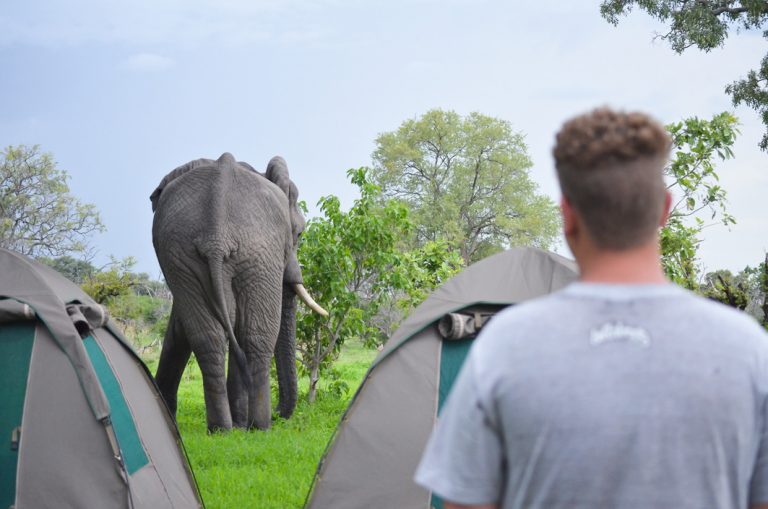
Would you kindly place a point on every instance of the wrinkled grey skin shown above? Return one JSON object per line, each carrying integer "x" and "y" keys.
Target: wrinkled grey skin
{"x": 226, "y": 238}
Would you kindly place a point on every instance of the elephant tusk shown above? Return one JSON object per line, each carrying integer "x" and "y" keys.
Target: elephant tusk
{"x": 308, "y": 300}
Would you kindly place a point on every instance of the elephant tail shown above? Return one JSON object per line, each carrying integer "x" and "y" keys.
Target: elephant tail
{"x": 215, "y": 265}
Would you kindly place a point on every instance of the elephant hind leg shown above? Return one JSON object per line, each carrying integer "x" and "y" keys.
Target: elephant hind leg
{"x": 238, "y": 396}
{"x": 217, "y": 410}
{"x": 207, "y": 339}
{"x": 260, "y": 398}
{"x": 259, "y": 297}
{"x": 173, "y": 360}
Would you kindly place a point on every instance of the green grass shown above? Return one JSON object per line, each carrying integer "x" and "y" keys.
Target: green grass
{"x": 264, "y": 469}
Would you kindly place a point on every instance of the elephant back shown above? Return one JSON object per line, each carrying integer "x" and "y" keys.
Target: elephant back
{"x": 220, "y": 205}
{"x": 176, "y": 173}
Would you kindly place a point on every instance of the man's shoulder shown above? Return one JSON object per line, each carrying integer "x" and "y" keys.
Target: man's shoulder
{"x": 710, "y": 313}
{"x": 544, "y": 313}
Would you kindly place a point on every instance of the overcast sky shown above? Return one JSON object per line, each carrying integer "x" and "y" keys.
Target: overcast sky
{"x": 123, "y": 92}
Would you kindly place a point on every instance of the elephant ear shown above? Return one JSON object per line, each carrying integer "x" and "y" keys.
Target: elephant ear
{"x": 178, "y": 172}
{"x": 277, "y": 173}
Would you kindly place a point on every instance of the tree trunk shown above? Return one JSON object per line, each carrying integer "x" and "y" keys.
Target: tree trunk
{"x": 728, "y": 294}
{"x": 314, "y": 376}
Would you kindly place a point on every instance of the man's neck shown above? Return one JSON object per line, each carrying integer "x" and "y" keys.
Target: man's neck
{"x": 639, "y": 265}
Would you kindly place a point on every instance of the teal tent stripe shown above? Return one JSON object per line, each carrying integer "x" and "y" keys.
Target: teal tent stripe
{"x": 452, "y": 356}
{"x": 16, "y": 341}
{"x": 133, "y": 452}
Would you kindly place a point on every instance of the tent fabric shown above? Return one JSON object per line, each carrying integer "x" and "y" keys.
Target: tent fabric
{"x": 12, "y": 311}
{"x": 374, "y": 453}
{"x": 15, "y": 346}
{"x": 23, "y": 282}
{"x": 513, "y": 276}
{"x": 94, "y": 429}
{"x": 452, "y": 355}
{"x": 86, "y": 318}
{"x": 65, "y": 459}
{"x": 132, "y": 450}
{"x": 157, "y": 431}
{"x": 363, "y": 467}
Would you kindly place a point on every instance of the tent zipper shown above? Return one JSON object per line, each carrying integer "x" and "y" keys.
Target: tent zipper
{"x": 112, "y": 437}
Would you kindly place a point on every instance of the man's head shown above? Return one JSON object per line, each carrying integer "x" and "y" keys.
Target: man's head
{"x": 610, "y": 166}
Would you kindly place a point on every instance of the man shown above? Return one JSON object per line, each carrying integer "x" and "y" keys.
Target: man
{"x": 622, "y": 390}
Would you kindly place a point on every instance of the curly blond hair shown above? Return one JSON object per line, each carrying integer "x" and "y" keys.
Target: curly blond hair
{"x": 610, "y": 165}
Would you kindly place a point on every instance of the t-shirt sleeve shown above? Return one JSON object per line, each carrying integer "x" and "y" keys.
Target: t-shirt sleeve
{"x": 463, "y": 459}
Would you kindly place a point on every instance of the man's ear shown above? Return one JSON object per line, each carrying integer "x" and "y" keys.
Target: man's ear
{"x": 667, "y": 208}
{"x": 570, "y": 224}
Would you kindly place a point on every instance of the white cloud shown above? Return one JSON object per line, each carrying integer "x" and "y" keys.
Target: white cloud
{"x": 147, "y": 62}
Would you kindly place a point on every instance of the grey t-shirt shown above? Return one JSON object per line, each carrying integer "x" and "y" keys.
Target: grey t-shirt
{"x": 608, "y": 396}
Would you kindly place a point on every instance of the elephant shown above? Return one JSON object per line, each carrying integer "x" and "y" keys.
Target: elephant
{"x": 226, "y": 237}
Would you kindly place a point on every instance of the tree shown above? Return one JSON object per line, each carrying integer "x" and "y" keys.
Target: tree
{"x": 77, "y": 271}
{"x": 139, "y": 305}
{"x": 746, "y": 290}
{"x": 723, "y": 286}
{"x": 760, "y": 273}
{"x": 425, "y": 268}
{"x": 114, "y": 281}
{"x": 465, "y": 180}
{"x": 353, "y": 263}
{"x": 706, "y": 24}
{"x": 143, "y": 284}
{"x": 691, "y": 175}
{"x": 38, "y": 215}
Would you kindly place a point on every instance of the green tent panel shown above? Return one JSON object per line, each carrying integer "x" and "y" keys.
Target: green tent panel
{"x": 452, "y": 355}
{"x": 371, "y": 460}
{"x": 128, "y": 440}
{"x": 82, "y": 424}
{"x": 15, "y": 350}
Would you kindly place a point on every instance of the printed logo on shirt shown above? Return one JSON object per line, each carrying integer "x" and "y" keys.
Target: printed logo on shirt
{"x": 617, "y": 331}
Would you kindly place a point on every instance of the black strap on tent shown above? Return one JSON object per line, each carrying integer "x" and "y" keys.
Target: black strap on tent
{"x": 455, "y": 326}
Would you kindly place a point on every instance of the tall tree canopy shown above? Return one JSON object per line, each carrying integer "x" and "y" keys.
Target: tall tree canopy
{"x": 38, "y": 215}
{"x": 706, "y": 24}
{"x": 77, "y": 271}
{"x": 466, "y": 180}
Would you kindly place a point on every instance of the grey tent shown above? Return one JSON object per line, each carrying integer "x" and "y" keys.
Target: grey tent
{"x": 378, "y": 443}
{"x": 81, "y": 422}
